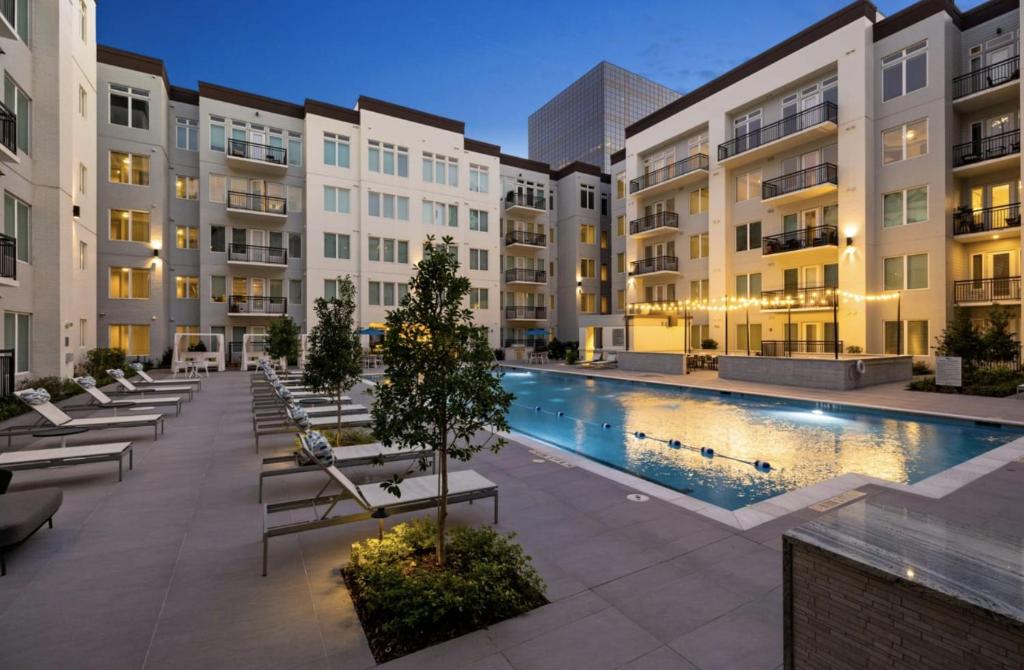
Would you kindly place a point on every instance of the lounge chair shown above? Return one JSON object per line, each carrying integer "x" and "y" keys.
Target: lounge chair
{"x": 49, "y": 458}
{"x": 23, "y": 513}
{"x": 101, "y": 399}
{"x": 118, "y": 376}
{"x": 39, "y": 400}
{"x": 146, "y": 380}
{"x": 296, "y": 418}
{"x": 418, "y": 493}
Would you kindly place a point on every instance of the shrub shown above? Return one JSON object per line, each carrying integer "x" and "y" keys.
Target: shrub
{"x": 58, "y": 388}
{"x": 167, "y": 358}
{"x": 406, "y": 602}
{"x": 198, "y": 346}
{"x": 499, "y": 354}
{"x": 708, "y": 343}
{"x": 347, "y": 438}
{"x": 556, "y": 349}
{"x": 997, "y": 382}
{"x": 571, "y": 356}
{"x": 99, "y": 360}
{"x": 921, "y": 368}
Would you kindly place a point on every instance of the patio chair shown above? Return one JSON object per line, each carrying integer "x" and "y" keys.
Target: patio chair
{"x": 23, "y": 513}
{"x": 101, "y": 399}
{"x": 39, "y": 400}
{"x": 296, "y": 417}
{"x": 118, "y": 376}
{"x": 146, "y": 380}
{"x": 418, "y": 493}
{"x": 90, "y": 453}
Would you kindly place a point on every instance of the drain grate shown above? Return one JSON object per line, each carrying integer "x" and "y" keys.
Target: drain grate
{"x": 836, "y": 501}
{"x": 637, "y": 497}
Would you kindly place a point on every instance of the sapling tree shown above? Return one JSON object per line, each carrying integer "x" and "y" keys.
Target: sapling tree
{"x": 283, "y": 339}
{"x": 442, "y": 394}
{"x": 334, "y": 357}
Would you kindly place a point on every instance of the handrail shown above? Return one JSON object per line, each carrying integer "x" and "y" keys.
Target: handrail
{"x": 252, "y": 253}
{"x": 525, "y": 237}
{"x": 8, "y": 128}
{"x": 257, "y": 202}
{"x": 989, "y": 289}
{"x": 653, "y": 222}
{"x": 655, "y": 264}
{"x": 526, "y": 312}
{"x": 524, "y": 274}
{"x": 987, "y": 77}
{"x": 255, "y": 151}
{"x": 794, "y": 123}
{"x": 824, "y": 173}
{"x": 986, "y": 148}
{"x": 257, "y": 304}
{"x": 806, "y": 296}
{"x": 677, "y": 169}
{"x": 986, "y": 219}
{"x": 804, "y": 238}
{"x": 534, "y": 200}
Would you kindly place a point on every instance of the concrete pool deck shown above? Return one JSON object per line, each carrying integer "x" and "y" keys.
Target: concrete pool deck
{"x": 162, "y": 570}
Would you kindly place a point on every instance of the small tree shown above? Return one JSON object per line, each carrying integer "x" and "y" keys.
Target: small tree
{"x": 283, "y": 339}
{"x": 998, "y": 342}
{"x": 442, "y": 390}
{"x": 960, "y": 338}
{"x": 334, "y": 357}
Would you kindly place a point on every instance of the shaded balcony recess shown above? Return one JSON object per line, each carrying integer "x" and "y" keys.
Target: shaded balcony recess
{"x": 254, "y": 151}
{"x": 986, "y": 148}
{"x": 250, "y": 253}
{"x": 8, "y": 257}
{"x": 826, "y": 112}
{"x": 526, "y": 238}
{"x": 801, "y": 180}
{"x": 257, "y": 305}
{"x": 986, "y": 291}
{"x": 986, "y": 78}
{"x": 662, "y": 175}
{"x": 986, "y": 219}
{"x": 525, "y": 275}
{"x": 526, "y": 312}
{"x": 257, "y": 203}
{"x": 8, "y": 129}
{"x": 654, "y": 222}
{"x": 804, "y": 238}
{"x": 654, "y": 264}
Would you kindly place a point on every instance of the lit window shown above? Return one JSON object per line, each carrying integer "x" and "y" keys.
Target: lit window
{"x": 128, "y": 168}
{"x": 129, "y": 283}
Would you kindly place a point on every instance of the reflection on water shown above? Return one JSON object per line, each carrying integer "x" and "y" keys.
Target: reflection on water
{"x": 804, "y": 445}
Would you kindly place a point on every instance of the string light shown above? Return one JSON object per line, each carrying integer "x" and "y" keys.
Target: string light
{"x": 817, "y": 298}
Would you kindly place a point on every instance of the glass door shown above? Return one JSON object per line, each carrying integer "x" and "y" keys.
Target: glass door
{"x": 1001, "y": 289}
{"x": 258, "y": 140}
{"x": 808, "y": 161}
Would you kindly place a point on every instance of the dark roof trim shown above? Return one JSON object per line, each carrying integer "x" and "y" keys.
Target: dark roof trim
{"x": 908, "y": 16}
{"x": 618, "y": 156}
{"x": 132, "y": 61}
{"x": 234, "y": 96}
{"x": 331, "y": 111}
{"x": 855, "y": 11}
{"x": 986, "y": 12}
{"x": 409, "y": 114}
{"x": 481, "y": 147}
{"x": 576, "y": 166}
{"x": 525, "y": 163}
{"x": 185, "y": 95}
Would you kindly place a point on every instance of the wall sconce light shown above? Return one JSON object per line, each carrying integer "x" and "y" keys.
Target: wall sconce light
{"x": 849, "y": 241}
{"x": 579, "y": 283}
{"x": 156, "y": 253}
{"x": 76, "y": 212}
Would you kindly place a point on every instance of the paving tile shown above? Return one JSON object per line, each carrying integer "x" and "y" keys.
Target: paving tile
{"x": 662, "y": 658}
{"x": 748, "y": 637}
{"x": 544, "y": 619}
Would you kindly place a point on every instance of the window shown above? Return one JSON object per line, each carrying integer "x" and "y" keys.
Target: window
{"x": 216, "y": 133}
{"x": 83, "y": 20}
{"x": 905, "y": 207}
{"x": 336, "y": 150}
{"x": 129, "y": 106}
{"x": 699, "y": 201}
{"x": 620, "y": 300}
{"x": 132, "y": 339}
{"x": 18, "y": 336}
{"x": 748, "y": 286}
{"x": 387, "y": 250}
{"x": 620, "y": 186}
{"x": 387, "y": 158}
{"x": 588, "y": 304}
{"x": 620, "y": 262}
{"x": 217, "y": 238}
{"x": 186, "y": 237}
{"x": 294, "y": 199}
{"x": 186, "y": 188}
{"x": 187, "y": 134}
{"x": 478, "y": 179}
{"x": 294, "y": 148}
{"x": 700, "y": 289}
{"x": 748, "y": 186}
{"x": 186, "y": 288}
{"x": 83, "y": 255}
{"x": 18, "y": 224}
{"x": 295, "y": 291}
{"x": 478, "y": 298}
{"x": 699, "y": 246}
{"x": 295, "y": 245}
{"x": 336, "y": 199}
{"x": 129, "y": 168}
{"x": 83, "y": 329}
{"x": 587, "y": 233}
{"x": 129, "y": 225}
{"x": 191, "y": 331}
{"x": 905, "y": 272}
{"x": 478, "y": 259}
{"x": 440, "y": 214}
{"x": 218, "y": 288}
{"x": 440, "y": 170}
{"x": 83, "y": 177}
{"x": 129, "y": 283}
{"x": 748, "y": 236}
{"x": 620, "y": 225}
{"x": 21, "y": 105}
{"x": 478, "y": 220}
{"x": 912, "y": 340}
{"x": 373, "y": 293}
{"x": 905, "y": 71}
{"x": 604, "y": 239}
{"x": 905, "y": 142}
{"x": 388, "y": 206}
{"x": 586, "y": 196}
{"x": 336, "y": 245}
{"x": 83, "y": 102}
{"x": 587, "y": 268}
{"x": 604, "y": 204}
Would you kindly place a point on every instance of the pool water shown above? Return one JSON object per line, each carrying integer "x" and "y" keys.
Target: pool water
{"x": 803, "y": 442}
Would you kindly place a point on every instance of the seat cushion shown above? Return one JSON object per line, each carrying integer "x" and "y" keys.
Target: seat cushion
{"x": 22, "y": 512}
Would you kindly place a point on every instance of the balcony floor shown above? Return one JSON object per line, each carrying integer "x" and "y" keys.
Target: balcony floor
{"x": 802, "y": 194}
{"x": 987, "y": 98}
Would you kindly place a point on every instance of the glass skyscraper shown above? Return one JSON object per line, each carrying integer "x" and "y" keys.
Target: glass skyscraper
{"x": 587, "y": 120}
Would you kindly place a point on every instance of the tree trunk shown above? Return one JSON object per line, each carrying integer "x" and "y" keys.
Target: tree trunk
{"x": 442, "y": 508}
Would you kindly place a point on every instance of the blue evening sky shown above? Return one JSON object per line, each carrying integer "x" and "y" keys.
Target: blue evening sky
{"x": 488, "y": 64}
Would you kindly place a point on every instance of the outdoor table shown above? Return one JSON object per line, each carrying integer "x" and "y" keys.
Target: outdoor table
{"x": 60, "y": 431}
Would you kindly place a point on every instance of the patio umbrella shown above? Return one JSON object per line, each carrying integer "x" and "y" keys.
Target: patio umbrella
{"x": 537, "y": 331}
{"x": 373, "y": 332}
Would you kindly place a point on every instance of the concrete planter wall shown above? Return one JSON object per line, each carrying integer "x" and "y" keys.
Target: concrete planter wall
{"x": 819, "y": 373}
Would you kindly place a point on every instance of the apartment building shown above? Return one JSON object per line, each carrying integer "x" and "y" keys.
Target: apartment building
{"x": 853, "y": 183}
{"x": 48, "y": 179}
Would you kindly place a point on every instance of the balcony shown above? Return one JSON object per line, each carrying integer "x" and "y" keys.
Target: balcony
{"x": 806, "y": 299}
{"x": 522, "y": 238}
{"x": 8, "y": 261}
{"x": 986, "y": 220}
{"x": 524, "y": 276}
{"x": 810, "y": 124}
{"x": 803, "y": 184}
{"x": 8, "y": 135}
{"x": 989, "y": 291}
{"x": 798, "y": 240}
{"x": 251, "y": 254}
{"x": 652, "y": 224}
{"x": 253, "y": 155}
{"x": 991, "y": 85}
{"x": 257, "y": 205}
{"x": 257, "y": 305}
{"x": 987, "y": 154}
{"x": 526, "y": 313}
{"x": 687, "y": 171}
{"x": 8, "y": 19}
{"x": 525, "y": 204}
{"x": 656, "y": 265}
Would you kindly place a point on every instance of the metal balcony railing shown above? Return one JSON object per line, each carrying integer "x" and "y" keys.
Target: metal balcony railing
{"x": 677, "y": 169}
{"x": 257, "y": 202}
{"x": 526, "y": 312}
{"x": 250, "y": 253}
{"x": 532, "y": 200}
{"x": 257, "y": 152}
{"x": 524, "y": 237}
{"x": 790, "y": 347}
{"x": 993, "y": 289}
{"x": 8, "y": 257}
{"x": 967, "y": 221}
{"x": 987, "y": 77}
{"x": 792, "y": 124}
{"x": 522, "y": 274}
{"x": 805, "y": 238}
{"x": 8, "y": 128}
{"x": 799, "y": 298}
{"x": 826, "y": 173}
{"x": 655, "y": 264}
{"x": 653, "y": 222}
{"x": 257, "y": 304}
{"x": 986, "y": 148}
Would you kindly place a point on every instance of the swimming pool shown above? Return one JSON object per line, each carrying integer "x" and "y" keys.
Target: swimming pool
{"x": 803, "y": 442}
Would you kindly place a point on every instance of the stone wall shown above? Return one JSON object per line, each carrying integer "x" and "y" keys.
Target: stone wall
{"x": 643, "y": 361}
{"x": 820, "y": 373}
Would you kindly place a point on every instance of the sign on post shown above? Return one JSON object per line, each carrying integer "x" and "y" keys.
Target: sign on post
{"x": 948, "y": 371}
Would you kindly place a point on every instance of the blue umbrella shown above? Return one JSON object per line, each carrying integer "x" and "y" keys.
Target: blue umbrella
{"x": 371, "y": 331}
{"x": 537, "y": 331}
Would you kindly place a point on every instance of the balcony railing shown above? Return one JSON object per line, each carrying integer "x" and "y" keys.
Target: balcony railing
{"x": 8, "y": 257}
{"x": 257, "y": 202}
{"x": 792, "y": 124}
{"x": 986, "y": 148}
{"x": 250, "y": 253}
{"x": 532, "y": 200}
{"x": 524, "y": 237}
{"x": 799, "y": 298}
{"x": 653, "y": 222}
{"x": 790, "y": 347}
{"x": 805, "y": 238}
{"x": 8, "y": 129}
{"x": 826, "y": 173}
{"x": 257, "y": 304}
{"x": 967, "y": 221}
{"x": 986, "y": 290}
{"x": 522, "y": 274}
{"x": 537, "y": 343}
{"x": 526, "y": 312}
{"x": 987, "y": 77}
{"x": 655, "y": 264}
{"x": 677, "y": 169}
{"x": 257, "y": 152}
